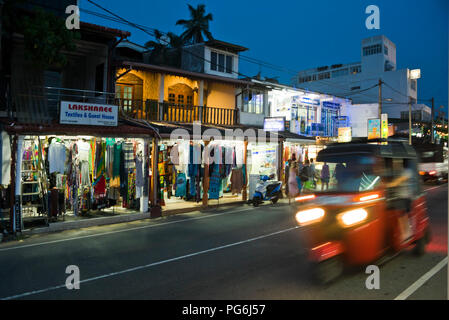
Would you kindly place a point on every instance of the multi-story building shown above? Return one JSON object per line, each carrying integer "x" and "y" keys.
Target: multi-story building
{"x": 358, "y": 80}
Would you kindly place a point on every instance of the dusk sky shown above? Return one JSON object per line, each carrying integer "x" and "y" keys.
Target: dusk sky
{"x": 297, "y": 35}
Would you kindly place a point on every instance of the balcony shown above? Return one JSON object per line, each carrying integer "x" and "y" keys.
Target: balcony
{"x": 41, "y": 105}
{"x": 153, "y": 110}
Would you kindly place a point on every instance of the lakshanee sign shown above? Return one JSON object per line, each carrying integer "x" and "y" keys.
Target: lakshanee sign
{"x": 91, "y": 114}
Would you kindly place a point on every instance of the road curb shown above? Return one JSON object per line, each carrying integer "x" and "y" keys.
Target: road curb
{"x": 93, "y": 222}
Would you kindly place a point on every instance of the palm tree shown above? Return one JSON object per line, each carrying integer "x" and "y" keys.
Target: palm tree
{"x": 197, "y": 25}
{"x": 166, "y": 50}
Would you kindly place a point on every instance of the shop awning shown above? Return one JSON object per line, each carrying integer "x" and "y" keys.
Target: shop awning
{"x": 124, "y": 129}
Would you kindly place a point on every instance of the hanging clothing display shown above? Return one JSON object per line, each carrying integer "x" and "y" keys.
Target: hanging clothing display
{"x": 57, "y": 157}
{"x": 5, "y": 159}
{"x": 236, "y": 181}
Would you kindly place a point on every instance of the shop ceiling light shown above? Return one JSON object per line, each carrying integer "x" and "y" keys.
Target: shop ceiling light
{"x": 309, "y": 216}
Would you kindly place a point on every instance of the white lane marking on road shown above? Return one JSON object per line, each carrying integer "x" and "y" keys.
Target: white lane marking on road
{"x": 418, "y": 283}
{"x": 428, "y": 189}
{"x": 118, "y": 231}
{"x": 108, "y": 275}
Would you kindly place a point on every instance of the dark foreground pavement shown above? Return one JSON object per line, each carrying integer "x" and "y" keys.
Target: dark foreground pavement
{"x": 242, "y": 253}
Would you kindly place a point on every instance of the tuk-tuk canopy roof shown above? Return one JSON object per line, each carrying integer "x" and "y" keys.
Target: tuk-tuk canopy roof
{"x": 391, "y": 150}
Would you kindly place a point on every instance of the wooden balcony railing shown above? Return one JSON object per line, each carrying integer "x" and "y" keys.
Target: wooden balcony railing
{"x": 177, "y": 113}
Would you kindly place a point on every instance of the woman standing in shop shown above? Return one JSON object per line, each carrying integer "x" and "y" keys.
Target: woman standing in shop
{"x": 293, "y": 184}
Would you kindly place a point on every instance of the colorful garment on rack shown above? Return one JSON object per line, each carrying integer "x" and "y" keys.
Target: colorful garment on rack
{"x": 181, "y": 185}
{"x": 128, "y": 150}
{"x": 214, "y": 182}
{"x": 100, "y": 160}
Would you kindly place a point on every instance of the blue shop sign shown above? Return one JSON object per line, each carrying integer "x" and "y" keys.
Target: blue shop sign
{"x": 330, "y": 104}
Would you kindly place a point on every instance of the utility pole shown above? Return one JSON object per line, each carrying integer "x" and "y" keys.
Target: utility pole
{"x": 431, "y": 123}
{"x": 410, "y": 120}
{"x": 380, "y": 98}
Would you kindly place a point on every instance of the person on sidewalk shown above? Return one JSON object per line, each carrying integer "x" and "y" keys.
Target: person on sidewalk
{"x": 325, "y": 176}
{"x": 293, "y": 188}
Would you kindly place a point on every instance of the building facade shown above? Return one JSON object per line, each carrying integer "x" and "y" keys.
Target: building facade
{"x": 358, "y": 80}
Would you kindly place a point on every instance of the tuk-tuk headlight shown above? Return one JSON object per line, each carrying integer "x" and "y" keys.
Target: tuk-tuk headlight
{"x": 309, "y": 216}
{"x": 352, "y": 217}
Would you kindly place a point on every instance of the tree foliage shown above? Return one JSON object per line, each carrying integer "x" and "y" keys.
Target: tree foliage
{"x": 197, "y": 26}
{"x": 46, "y": 36}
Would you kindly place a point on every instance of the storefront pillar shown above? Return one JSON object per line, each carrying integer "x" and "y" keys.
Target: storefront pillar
{"x": 280, "y": 162}
{"x": 244, "y": 189}
{"x": 154, "y": 173}
{"x": 13, "y": 184}
{"x": 161, "y": 96}
{"x": 144, "y": 198}
{"x": 206, "y": 175}
{"x": 17, "y": 219}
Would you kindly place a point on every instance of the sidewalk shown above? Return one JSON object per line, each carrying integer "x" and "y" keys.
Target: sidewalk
{"x": 175, "y": 208}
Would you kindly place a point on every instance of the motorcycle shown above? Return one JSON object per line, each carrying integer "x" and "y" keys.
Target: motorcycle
{"x": 267, "y": 190}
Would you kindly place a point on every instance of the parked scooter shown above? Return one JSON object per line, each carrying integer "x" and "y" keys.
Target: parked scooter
{"x": 267, "y": 190}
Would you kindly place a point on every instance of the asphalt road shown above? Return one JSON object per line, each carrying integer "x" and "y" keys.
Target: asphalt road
{"x": 241, "y": 253}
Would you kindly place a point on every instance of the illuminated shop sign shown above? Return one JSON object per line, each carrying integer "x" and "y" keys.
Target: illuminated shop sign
{"x": 88, "y": 114}
{"x": 305, "y": 100}
{"x": 329, "y": 104}
{"x": 374, "y": 128}
{"x": 274, "y": 124}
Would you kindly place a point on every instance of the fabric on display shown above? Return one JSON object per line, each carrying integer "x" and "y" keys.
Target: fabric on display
{"x": 181, "y": 185}
{"x": 5, "y": 156}
{"x": 236, "y": 181}
{"x": 128, "y": 150}
{"x": 139, "y": 172}
{"x": 215, "y": 182}
{"x": 56, "y": 157}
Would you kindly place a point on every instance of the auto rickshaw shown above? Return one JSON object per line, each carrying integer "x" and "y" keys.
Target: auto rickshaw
{"x": 362, "y": 217}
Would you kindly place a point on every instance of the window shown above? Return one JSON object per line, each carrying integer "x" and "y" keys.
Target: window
{"x": 190, "y": 100}
{"x": 324, "y": 75}
{"x": 356, "y": 69}
{"x": 125, "y": 94}
{"x": 221, "y": 62}
{"x": 213, "y": 61}
{"x": 339, "y": 73}
{"x": 386, "y": 50}
{"x": 180, "y": 99}
{"x": 253, "y": 102}
{"x": 388, "y": 66}
{"x": 413, "y": 84}
{"x": 171, "y": 98}
{"x": 374, "y": 49}
{"x": 229, "y": 64}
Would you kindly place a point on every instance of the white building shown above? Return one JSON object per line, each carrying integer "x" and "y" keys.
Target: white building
{"x": 354, "y": 80}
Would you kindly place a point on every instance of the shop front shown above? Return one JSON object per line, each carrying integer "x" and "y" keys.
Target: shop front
{"x": 199, "y": 172}
{"x": 67, "y": 172}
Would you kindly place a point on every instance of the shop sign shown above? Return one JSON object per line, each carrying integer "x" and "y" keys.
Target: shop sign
{"x": 374, "y": 129}
{"x": 88, "y": 114}
{"x": 274, "y": 124}
{"x": 344, "y": 134}
{"x": 332, "y": 105}
{"x": 315, "y": 102}
{"x": 342, "y": 122}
